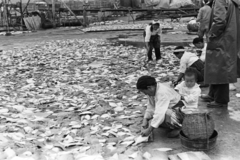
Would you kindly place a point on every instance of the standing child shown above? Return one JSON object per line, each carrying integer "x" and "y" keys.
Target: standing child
{"x": 189, "y": 90}
{"x": 152, "y": 38}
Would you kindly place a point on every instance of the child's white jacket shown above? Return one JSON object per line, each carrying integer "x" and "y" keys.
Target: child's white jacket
{"x": 190, "y": 95}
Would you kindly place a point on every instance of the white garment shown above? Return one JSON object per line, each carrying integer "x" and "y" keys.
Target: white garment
{"x": 166, "y": 97}
{"x": 204, "y": 50}
{"x": 150, "y": 33}
{"x": 190, "y": 95}
{"x": 187, "y": 60}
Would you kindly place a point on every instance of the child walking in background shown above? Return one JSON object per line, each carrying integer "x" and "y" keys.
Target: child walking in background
{"x": 189, "y": 90}
{"x": 152, "y": 38}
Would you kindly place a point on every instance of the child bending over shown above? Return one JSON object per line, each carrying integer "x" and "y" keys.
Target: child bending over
{"x": 159, "y": 112}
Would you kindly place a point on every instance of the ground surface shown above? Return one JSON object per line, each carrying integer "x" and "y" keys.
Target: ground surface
{"x": 227, "y": 121}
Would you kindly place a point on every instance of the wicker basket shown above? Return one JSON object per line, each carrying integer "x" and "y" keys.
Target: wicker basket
{"x": 199, "y": 145}
{"x": 198, "y": 125}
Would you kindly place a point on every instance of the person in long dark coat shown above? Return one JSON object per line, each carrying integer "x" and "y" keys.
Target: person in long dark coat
{"x": 223, "y": 52}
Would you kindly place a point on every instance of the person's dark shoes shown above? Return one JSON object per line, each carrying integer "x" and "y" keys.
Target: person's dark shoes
{"x": 174, "y": 133}
{"x": 216, "y": 105}
{"x": 206, "y": 98}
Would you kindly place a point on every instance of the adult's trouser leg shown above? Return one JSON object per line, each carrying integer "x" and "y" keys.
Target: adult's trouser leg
{"x": 238, "y": 67}
{"x": 158, "y": 53}
{"x": 211, "y": 91}
{"x": 220, "y": 93}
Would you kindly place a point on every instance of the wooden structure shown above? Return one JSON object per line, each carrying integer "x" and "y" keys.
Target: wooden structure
{"x": 174, "y": 14}
{"x": 92, "y": 4}
{"x": 10, "y": 15}
{"x": 103, "y": 8}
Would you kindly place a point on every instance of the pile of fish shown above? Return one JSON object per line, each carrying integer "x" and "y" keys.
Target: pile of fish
{"x": 70, "y": 99}
{"x": 137, "y": 26}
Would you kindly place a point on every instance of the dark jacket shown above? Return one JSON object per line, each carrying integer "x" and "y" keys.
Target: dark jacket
{"x": 223, "y": 50}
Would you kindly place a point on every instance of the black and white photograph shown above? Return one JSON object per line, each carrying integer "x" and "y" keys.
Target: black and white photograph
{"x": 119, "y": 79}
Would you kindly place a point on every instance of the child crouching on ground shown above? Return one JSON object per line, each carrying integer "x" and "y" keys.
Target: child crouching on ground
{"x": 189, "y": 91}
{"x": 159, "y": 112}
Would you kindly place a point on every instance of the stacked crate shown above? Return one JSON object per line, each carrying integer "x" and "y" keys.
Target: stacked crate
{"x": 198, "y": 3}
{"x": 41, "y": 7}
{"x": 75, "y": 5}
{"x": 30, "y": 7}
{"x": 100, "y": 4}
{"x": 93, "y": 4}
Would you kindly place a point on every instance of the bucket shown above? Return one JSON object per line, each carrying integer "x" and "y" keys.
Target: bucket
{"x": 199, "y": 145}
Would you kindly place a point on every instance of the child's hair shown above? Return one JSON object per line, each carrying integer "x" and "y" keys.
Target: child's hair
{"x": 151, "y": 24}
{"x": 198, "y": 40}
{"x": 206, "y": 1}
{"x": 177, "y": 50}
{"x": 191, "y": 72}
{"x": 145, "y": 81}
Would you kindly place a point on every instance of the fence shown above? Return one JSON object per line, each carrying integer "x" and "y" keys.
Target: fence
{"x": 92, "y": 4}
{"x": 34, "y": 7}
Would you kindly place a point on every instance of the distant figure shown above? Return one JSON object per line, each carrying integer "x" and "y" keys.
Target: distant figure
{"x": 85, "y": 18}
{"x": 222, "y": 64}
{"x": 203, "y": 18}
{"x": 199, "y": 44}
{"x": 152, "y": 38}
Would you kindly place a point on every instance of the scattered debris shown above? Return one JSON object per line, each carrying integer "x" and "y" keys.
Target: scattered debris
{"x": 75, "y": 98}
{"x": 238, "y": 95}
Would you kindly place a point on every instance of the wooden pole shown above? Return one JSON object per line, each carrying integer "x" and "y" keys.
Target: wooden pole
{"x": 6, "y": 15}
{"x": 53, "y": 13}
{"x": 21, "y": 11}
{"x": 1, "y": 17}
